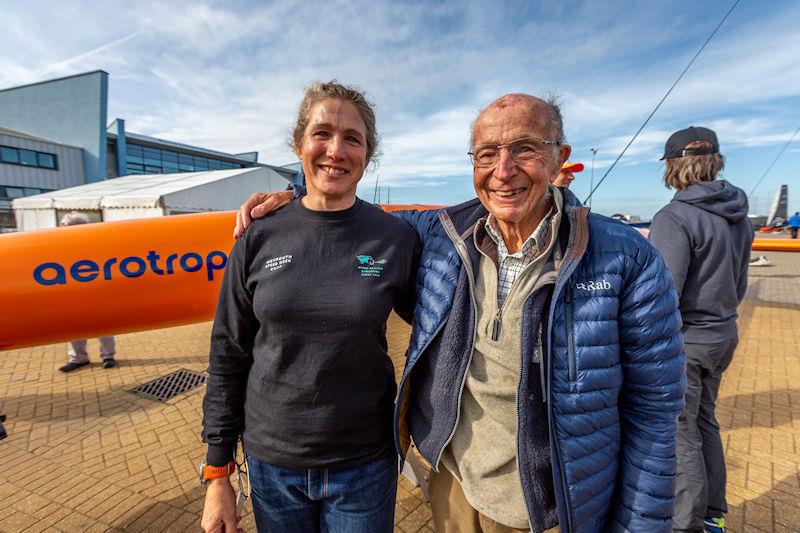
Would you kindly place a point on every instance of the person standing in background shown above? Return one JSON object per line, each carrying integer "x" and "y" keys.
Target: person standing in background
{"x": 794, "y": 224}
{"x": 705, "y": 237}
{"x": 565, "y": 175}
{"x": 77, "y": 354}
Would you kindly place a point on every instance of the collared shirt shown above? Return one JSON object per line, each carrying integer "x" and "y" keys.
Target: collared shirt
{"x": 511, "y": 265}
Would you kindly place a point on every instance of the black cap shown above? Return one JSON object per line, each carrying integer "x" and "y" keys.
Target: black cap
{"x": 677, "y": 142}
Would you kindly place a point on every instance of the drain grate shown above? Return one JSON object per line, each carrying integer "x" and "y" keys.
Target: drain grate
{"x": 169, "y": 386}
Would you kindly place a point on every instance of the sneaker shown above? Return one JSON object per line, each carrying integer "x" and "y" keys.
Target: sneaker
{"x": 109, "y": 363}
{"x": 760, "y": 261}
{"x": 714, "y": 525}
{"x": 69, "y": 367}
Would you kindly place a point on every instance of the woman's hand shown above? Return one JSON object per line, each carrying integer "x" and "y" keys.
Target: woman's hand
{"x": 219, "y": 509}
{"x": 259, "y": 205}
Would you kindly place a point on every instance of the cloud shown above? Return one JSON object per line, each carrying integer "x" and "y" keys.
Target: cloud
{"x": 229, "y": 75}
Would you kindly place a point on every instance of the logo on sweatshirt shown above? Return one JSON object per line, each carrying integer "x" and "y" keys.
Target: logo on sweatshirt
{"x": 278, "y": 262}
{"x": 597, "y": 285}
{"x": 369, "y": 267}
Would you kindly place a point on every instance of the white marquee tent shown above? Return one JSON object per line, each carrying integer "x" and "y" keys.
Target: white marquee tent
{"x": 149, "y": 195}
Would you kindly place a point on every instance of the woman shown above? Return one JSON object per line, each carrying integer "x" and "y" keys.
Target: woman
{"x": 298, "y": 364}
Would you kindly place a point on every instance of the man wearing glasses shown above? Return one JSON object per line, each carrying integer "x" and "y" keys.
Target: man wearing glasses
{"x": 545, "y": 372}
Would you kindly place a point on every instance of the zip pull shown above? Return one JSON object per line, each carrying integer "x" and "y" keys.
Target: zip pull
{"x": 568, "y": 293}
{"x": 540, "y": 343}
{"x": 496, "y": 325}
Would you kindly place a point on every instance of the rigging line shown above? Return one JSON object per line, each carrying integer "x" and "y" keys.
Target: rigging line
{"x": 661, "y": 102}
{"x": 775, "y": 160}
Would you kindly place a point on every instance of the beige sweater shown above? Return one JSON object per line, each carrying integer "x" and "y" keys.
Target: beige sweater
{"x": 483, "y": 452}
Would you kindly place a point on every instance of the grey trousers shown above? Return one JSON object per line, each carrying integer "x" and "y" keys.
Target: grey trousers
{"x": 700, "y": 485}
{"x": 76, "y": 350}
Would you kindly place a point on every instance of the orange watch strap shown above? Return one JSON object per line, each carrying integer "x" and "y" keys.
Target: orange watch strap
{"x": 214, "y": 472}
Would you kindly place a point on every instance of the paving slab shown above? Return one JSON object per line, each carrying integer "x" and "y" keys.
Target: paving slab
{"x": 85, "y": 454}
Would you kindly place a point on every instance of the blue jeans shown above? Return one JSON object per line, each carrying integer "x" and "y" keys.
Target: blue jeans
{"x": 349, "y": 500}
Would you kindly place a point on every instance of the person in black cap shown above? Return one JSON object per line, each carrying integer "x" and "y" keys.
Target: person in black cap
{"x": 705, "y": 237}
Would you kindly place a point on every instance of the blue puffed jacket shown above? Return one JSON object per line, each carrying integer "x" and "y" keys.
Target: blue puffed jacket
{"x": 614, "y": 374}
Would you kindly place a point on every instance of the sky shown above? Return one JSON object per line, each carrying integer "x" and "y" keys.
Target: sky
{"x": 230, "y": 75}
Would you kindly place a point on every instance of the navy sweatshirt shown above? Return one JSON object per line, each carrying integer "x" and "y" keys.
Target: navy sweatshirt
{"x": 705, "y": 237}
{"x": 299, "y": 364}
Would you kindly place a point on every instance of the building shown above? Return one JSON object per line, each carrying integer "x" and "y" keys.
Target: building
{"x": 32, "y": 165}
{"x": 56, "y": 134}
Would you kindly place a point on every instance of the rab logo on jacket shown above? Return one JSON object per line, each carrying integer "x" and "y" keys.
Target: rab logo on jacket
{"x": 593, "y": 285}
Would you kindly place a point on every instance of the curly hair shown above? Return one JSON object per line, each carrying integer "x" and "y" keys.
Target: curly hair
{"x": 318, "y": 91}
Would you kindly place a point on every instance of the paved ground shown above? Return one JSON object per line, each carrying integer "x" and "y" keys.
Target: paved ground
{"x": 84, "y": 454}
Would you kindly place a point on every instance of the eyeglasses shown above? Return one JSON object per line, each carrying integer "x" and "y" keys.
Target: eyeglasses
{"x": 521, "y": 151}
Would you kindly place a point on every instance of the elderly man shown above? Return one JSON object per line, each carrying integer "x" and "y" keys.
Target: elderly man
{"x": 705, "y": 236}
{"x": 545, "y": 372}
{"x": 566, "y": 174}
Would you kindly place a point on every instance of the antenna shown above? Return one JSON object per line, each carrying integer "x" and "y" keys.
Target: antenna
{"x": 591, "y": 178}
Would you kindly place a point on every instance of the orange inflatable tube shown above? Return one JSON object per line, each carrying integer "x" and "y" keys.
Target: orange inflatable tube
{"x": 88, "y": 280}
{"x": 776, "y": 245}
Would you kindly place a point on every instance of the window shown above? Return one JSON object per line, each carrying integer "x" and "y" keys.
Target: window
{"x": 46, "y": 160}
{"x": 9, "y": 192}
{"x": 133, "y": 149}
{"x": 185, "y": 162}
{"x": 145, "y": 159}
{"x": 7, "y": 220}
{"x": 15, "y": 192}
{"x": 28, "y": 158}
{"x": 9, "y": 155}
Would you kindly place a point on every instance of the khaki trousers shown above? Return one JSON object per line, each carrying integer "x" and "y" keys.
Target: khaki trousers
{"x": 452, "y": 513}
{"x": 77, "y": 353}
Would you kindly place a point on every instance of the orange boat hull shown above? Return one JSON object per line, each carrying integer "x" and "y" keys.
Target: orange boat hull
{"x": 89, "y": 280}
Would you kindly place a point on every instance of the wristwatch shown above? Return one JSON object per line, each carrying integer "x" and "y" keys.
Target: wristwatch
{"x": 208, "y": 472}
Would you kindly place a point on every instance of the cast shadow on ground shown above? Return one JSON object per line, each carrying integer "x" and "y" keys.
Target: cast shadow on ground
{"x": 774, "y": 510}
{"x": 85, "y": 406}
{"x": 766, "y": 409}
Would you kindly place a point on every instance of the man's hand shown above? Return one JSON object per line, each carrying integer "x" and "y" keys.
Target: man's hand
{"x": 259, "y": 205}
{"x": 219, "y": 510}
